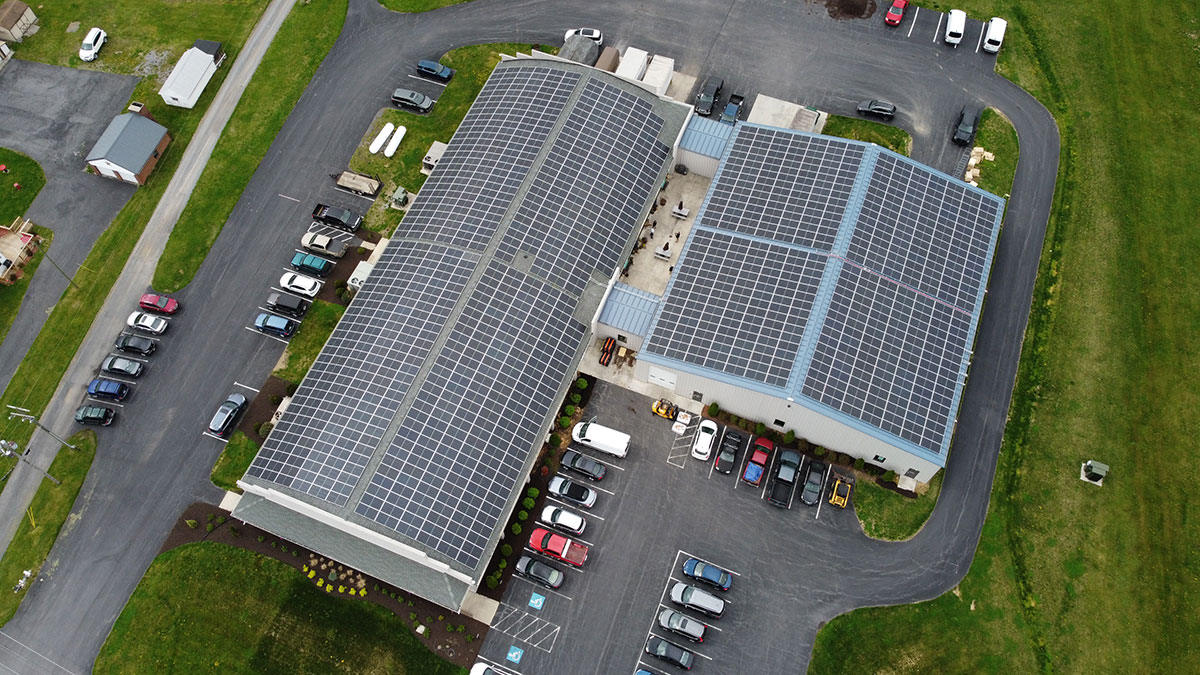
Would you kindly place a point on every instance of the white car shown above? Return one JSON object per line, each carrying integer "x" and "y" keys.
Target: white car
{"x": 483, "y": 669}
{"x": 147, "y": 323}
{"x": 298, "y": 283}
{"x": 562, "y": 519}
{"x": 706, "y": 435}
{"x": 92, "y": 43}
{"x": 589, "y": 33}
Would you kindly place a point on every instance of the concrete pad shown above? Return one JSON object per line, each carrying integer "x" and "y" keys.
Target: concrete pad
{"x": 680, "y": 88}
{"x": 649, "y": 272}
{"x": 230, "y": 501}
{"x": 73, "y": 27}
{"x": 785, "y": 114}
{"x": 480, "y": 608}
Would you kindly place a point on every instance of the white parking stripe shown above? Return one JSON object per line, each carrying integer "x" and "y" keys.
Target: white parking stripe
{"x": 211, "y": 435}
{"x": 258, "y": 332}
{"x": 245, "y": 386}
{"x": 287, "y": 197}
{"x": 570, "y": 505}
{"x": 542, "y": 589}
{"x": 913, "y": 25}
{"x": 938, "y": 30}
{"x": 104, "y": 401}
{"x": 821, "y": 494}
{"x": 980, "y": 42}
{"x": 426, "y": 79}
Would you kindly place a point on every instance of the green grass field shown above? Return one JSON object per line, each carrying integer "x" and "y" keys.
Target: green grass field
{"x": 414, "y": 6}
{"x": 234, "y": 461}
{"x": 859, "y": 129}
{"x": 304, "y": 346}
{"x": 997, "y": 136}
{"x": 1069, "y": 577}
{"x": 50, "y": 508}
{"x": 24, "y": 170}
{"x": 209, "y": 607}
{"x": 884, "y": 514}
{"x": 265, "y": 106}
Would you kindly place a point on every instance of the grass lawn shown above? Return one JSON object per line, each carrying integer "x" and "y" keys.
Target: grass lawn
{"x": 473, "y": 66}
{"x": 24, "y": 170}
{"x": 997, "y": 136}
{"x": 884, "y": 514}
{"x": 304, "y": 346}
{"x": 47, "y": 359}
{"x": 50, "y": 507}
{"x": 1069, "y": 577}
{"x": 414, "y": 6}
{"x": 264, "y": 107}
{"x": 859, "y": 129}
{"x": 209, "y": 607}
{"x": 234, "y": 461}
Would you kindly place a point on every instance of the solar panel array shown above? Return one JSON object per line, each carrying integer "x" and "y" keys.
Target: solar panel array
{"x": 925, "y": 230}
{"x": 340, "y": 412}
{"x": 578, "y": 216}
{"x": 450, "y": 469}
{"x": 784, "y": 186}
{"x": 738, "y": 305}
{"x": 477, "y": 177}
{"x": 890, "y": 356}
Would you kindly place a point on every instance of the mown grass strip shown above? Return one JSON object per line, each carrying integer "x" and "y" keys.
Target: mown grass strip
{"x": 233, "y": 462}
{"x": 304, "y": 346}
{"x": 282, "y": 77}
{"x": 417, "y": 6}
{"x": 858, "y": 129}
{"x": 884, "y": 514}
{"x": 208, "y": 607}
{"x": 998, "y": 137}
{"x": 45, "y": 518}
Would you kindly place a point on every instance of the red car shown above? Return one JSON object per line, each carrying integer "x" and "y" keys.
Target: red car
{"x": 895, "y": 13}
{"x": 557, "y": 546}
{"x": 159, "y": 304}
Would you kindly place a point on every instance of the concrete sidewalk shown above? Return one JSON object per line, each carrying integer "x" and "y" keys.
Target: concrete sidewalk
{"x": 138, "y": 272}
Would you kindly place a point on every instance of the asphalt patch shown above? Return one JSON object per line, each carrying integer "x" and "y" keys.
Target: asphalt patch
{"x": 850, "y": 9}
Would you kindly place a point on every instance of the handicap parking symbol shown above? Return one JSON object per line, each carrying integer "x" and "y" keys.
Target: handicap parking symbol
{"x": 515, "y": 653}
{"x": 536, "y": 600}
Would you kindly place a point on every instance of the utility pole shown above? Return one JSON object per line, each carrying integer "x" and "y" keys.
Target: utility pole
{"x": 11, "y": 449}
{"x": 25, "y": 414}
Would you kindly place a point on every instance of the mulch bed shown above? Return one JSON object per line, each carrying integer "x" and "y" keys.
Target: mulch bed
{"x": 451, "y": 646}
{"x": 262, "y": 408}
{"x": 343, "y": 269}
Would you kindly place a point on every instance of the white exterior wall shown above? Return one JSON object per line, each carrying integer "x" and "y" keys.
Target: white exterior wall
{"x": 107, "y": 168}
{"x": 697, "y": 163}
{"x": 808, "y": 424}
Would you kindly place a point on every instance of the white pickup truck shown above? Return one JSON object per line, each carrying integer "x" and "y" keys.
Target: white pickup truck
{"x": 319, "y": 243}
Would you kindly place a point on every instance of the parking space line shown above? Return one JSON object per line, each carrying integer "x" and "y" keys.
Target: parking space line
{"x": 573, "y": 506}
{"x": 287, "y": 197}
{"x": 669, "y": 639}
{"x": 693, "y": 555}
{"x": 913, "y": 25}
{"x": 109, "y": 376}
{"x": 938, "y": 30}
{"x": 683, "y": 442}
{"x": 244, "y": 386}
{"x": 210, "y": 435}
{"x": 104, "y": 401}
{"x": 258, "y": 332}
{"x": 426, "y": 79}
{"x": 542, "y": 589}
{"x": 597, "y": 487}
{"x": 131, "y": 358}
{"x": 525, "y": 623}
{"x": 979, "y": 43}
{"x": 821, "y": 494}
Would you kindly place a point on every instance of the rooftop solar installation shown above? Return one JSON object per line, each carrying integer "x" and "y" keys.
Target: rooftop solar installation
{"x": 784, "y": 186}
{"x": 422, "y": 411}
{"x": 738, "y": 305}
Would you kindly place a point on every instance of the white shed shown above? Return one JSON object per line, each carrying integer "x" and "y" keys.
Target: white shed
{"x": 196, "y": 67}
{"x": 16, "y": 20}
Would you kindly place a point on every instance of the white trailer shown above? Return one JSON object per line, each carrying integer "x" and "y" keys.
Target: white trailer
{"x": 633, "y": 64}
{"x": 658, "y": 73}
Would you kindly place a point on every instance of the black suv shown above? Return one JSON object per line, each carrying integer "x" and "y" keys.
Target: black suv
{"x": 967, "y": 125}
{"x": 287, "y": 304}
{"x": 412, "y": 100}
{"x": 706, "y": 98}
{"x": 95, "y": 414}
{"x": 135, "y": 344}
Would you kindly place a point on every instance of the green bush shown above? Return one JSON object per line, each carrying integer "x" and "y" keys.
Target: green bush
{"x": 491, "y": 582}
{"x": 339, "y": 284}
{"x": 581, "y": 383}
{"x": 576, "y": 398}
{"x": 819, "y": 451}
{"x": 760, "y": 428}
{"x": 789, "y": 437}
{"x": 554, "y": 442}
{"x": 276, "y": 399}
{"x": 209, "y": 527}
{"x": 550, "y": 452}
{"x": 192, "y": 524}
{"x": 734, "y": 420}
{"x": 858, "y": 463}
{"x": 533, "y": 492}
{"x": 889, "y": 477}
{"x": 221, "y": 520}
{"x": 505, "y": 550}
{"x": 713, "y": 409}
{"x": 516, "y": 528}
{"x": 522, "y": 516}
{"x": 528, "y": 503}
{"x": 234, "y": 531}
{"x": 564, "y": 421}
{"x": 265, "y": 428}
{"x": 260, "y": 538}
{"x": 569, "y": 410}
{"x": 361, "y": 250}
{"x": 503, "y": 564}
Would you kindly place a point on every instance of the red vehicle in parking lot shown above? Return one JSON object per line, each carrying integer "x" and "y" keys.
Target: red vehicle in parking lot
{"x": 895, "y": 13}
{"x": 757, "y": 465}
{"x": 559, "y": 547}
{"x": 159, "y": 304}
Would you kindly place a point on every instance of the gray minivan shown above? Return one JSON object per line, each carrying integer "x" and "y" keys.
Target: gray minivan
{"x": 698, "y": 599}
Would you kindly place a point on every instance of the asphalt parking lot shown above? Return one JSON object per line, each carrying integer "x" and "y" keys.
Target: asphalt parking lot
{"x": 656, "y": 508}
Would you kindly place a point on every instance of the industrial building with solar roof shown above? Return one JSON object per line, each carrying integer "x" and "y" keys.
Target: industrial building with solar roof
{"x": 405, "y": 448}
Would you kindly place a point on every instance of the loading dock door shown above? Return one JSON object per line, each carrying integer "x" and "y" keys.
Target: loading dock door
{"x": 663, "y": 378}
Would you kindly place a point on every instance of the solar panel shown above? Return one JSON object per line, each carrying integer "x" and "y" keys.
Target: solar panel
{"x": 738, "y": 305}
{"x": 925, "y": 230}
{"x": 890, "y": 356}
{"x": 578, "y": 216}
{"x": 785, "y": 186}
{"x": 480, "y": 172}
{"x": 339, "y": 414}
{"x": 452, "y": 465}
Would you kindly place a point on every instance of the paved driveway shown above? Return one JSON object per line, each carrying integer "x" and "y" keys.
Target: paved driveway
{"x": 792, "y": 51}
{"x": 55, "y": 115}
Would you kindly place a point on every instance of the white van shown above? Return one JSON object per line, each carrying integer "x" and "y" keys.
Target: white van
{"x": 956, "y": 25}
{"x": 993, "y": 37}
{"x": 601, "y": 438}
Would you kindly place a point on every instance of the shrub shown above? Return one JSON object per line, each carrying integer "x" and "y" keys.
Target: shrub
{"x": 491, "y": 582}
{"x": 516, "y": 528}
{"x": 234, "y": 531}
{"x": 550, "y": 452}
{"x": 713, "y": 409}
{"x": 522, "y": 515}
{"x": 283, "y": 549}
{"x": 449, "y": 628}
{"x": 569, "y": 410}
{"x": 295, "y": 553}
{"x": 339, "y": 284}
{"x": 461, "y": 627}
{"x": 576, "y": 398}
{"x": 470, "y": 638}
{"x": 545, "y": 471}
{"x": 858, "y": 463}
{"x": 291, "y": 388}
{"x": 259, "y": 538}
{"x": 274, "y": 544}
{"x": 221, "y": 520}
{"x": 505, "y": 550}
{"x": 533, "y": 492}
{"x": 209, "y": 527}
{"x": 361, "y": 250}
{"x": 734, "y": 420}
{"x": 441, "y": 617}
{"x": 503, "y": 564}
{"x": 210, "y": 518}
{"x": 192, "y": 524}
{"x": 760, "y": 428}
{"x": 412, "y": 616}
{"x": 528, "y": 503}
{"x": 410, "y": 602}
{"x": 276, "y": 399}
{"x": 564, "y": 421}
{"x": 264, "y": 429}
{"x": 819, "y": 451}
{"x": 554, "y": 441}
{"x": 789, "y": 437}
{"x": 889, "y": 477}
{"x": 581, "y": 383}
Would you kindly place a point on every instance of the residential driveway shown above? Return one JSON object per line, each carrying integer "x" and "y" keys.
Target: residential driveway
{"x": 55, "y": 115}
{"x": 156, "y": 458}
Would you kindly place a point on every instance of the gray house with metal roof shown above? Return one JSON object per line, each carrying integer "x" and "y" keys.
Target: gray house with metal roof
{"x": 406, "y": 447}
{"x": 129, "y": 148}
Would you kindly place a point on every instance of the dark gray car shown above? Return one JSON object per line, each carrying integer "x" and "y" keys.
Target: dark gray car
{"x": 670, "y": 652}
{"x": 878, "y": 108}
{"x": 967, "y": 125}
{"x": 706, "y": 98}
{"x": 813, "y": 483}
{"x": 119, "y": 365}
{"x": 226, "y": 416}
{"x": 540, "y": 572}
{"x": 412, "y": 100}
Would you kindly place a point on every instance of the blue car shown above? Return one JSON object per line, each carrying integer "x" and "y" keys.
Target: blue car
{"x": 435, "y": 70}
{"x": 108, "y": 389}
{"x": 707, "y": 573}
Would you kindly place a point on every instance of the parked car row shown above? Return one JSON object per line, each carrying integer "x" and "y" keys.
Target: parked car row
{"x": 956, "y": 26}
{"x": 415, "y": 101}
{"x": 149, "y": 319}
{"x": 675, "y": 623}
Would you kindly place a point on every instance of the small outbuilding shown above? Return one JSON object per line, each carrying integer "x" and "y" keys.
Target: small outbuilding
{"x": 129, "y": 148}
{"x": 16, "y": 20}
{"x": 191, "y": 74}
